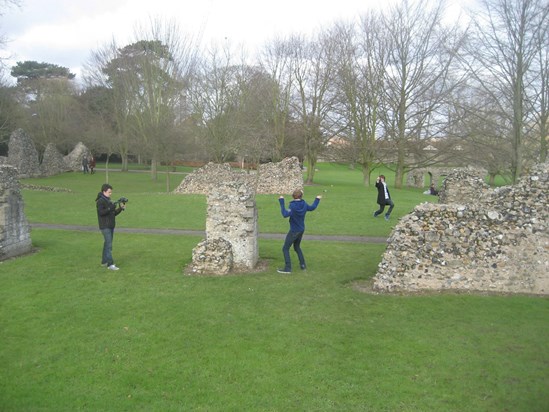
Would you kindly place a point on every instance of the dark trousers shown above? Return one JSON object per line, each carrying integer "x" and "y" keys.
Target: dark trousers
{"x": 382, "y": 207}
{"x": 293, "y": 238}
{"x": 106, "y": 258}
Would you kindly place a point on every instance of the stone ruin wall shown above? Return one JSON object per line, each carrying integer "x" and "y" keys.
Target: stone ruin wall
{"x": 494, "y": 240}
{"x": 416, "y": 177}
{"x": 53, "y": 162}
{"x": 231, "y": 243}
{"x": 22, "y": 154}
{"x": 270, "y": 178}
{"x": 15, "y": 237}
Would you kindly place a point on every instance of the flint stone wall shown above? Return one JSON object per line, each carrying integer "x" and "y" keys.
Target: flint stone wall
{"x": 270, "y": 178}
{"x": 231, "y": 243}
{"x": 53, "y": 162}
{"x": 498, "y": 243}
{"x": 464, "y": 186}
{"x": 22, "y": 154}
{"x": 416, "y": 178}
{"x": 73, "y": 160}
{"x": 15, "y": 237}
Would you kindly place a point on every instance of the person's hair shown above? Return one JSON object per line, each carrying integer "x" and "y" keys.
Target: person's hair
{"x": 382, "y": 176}
{"x": 105, "y": 187}
{"x": 297, "y": 194}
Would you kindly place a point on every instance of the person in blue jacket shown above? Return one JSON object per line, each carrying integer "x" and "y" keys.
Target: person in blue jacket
{"x": 296, "y": 212}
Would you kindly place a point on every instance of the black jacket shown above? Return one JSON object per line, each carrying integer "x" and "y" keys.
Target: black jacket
{"x": 381, "y": 193}
{"x": 106, "y": 212}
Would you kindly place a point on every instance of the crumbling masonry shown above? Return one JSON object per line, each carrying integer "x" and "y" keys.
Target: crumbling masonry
{"x": 15, "y": 237}
{"x": 231, "y": 243}
{"x": 479, "y": 239}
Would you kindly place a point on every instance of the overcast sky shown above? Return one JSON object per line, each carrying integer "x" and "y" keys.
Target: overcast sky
{"x": 64, "y": 32}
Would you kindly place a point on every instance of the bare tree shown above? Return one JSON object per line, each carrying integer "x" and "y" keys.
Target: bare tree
{"x": 113, "y": 112}
{"x": 148, "y": 77}
{"x": 277, "y": 62}
{"x": 214, "y": 95}
{"x": 509, "y": 35}
{"x": 418, "y": 79}
{"x": 255, "y": 139}
{"x": 541, "y": 101}
{"x": 314, "y": 68}
{"x": 361, "y": 64}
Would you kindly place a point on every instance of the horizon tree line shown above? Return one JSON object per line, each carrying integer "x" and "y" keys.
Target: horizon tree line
{"x": 385, "y": 86}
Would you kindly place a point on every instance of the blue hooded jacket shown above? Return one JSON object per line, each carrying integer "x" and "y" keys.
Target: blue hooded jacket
{"x": 296, "y": 213}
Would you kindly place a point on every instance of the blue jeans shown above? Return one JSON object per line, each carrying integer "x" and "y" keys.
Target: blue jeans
{"x": 293, "y": 238}
{"x": 108, "y": 234}
{"x": 381, "y": 207}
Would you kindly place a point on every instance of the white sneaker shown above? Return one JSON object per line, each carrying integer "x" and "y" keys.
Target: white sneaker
{"x": 112, "y": 267}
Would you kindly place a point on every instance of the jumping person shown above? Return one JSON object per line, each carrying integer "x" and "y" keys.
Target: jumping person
{"x": 296, "y": 212}
{"x": 383, "y": 197}
{"x": 106, "y": 216}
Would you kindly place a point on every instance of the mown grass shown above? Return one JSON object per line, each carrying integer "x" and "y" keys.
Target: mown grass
{"x": 148, "y": 338}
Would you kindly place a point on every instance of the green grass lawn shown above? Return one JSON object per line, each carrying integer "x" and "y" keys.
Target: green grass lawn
{"x": 76, "y": 337}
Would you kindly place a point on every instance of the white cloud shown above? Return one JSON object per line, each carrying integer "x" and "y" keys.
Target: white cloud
{"x": 64, "y": 32}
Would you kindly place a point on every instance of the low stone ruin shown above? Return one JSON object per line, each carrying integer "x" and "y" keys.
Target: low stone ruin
{"x": 15, "y": 237}
{"x": 463, "y": 186}
{"x": 231, "y": 243}
{"x": 231, "y": 231}
{"x": 416, "y": 177}
{"x": 270, "y": 178}
{"x": 22, "y": 154}
{"x": 73, "y": 160}
{"x": 53, "y": 162}
{"x": 481, "y": 240}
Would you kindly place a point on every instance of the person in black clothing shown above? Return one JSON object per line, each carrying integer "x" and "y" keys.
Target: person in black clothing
{"x": 85, "y": 165}
{"x": 383, "y": 197}
{"x": 106, "y": 216}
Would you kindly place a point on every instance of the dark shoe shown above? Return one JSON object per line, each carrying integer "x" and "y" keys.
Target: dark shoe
{"x": 284, "y": 271}
{"x": 386, "y": 217}
{"x": 375, "y": 214}
{"x": 303, "y": 267}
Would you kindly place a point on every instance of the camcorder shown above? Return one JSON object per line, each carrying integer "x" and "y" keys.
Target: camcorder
{"x": 123, "y": 200}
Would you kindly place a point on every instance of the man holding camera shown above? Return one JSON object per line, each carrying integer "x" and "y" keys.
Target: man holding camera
{"x": 383, "y": 197}
{"x": 106, "y": 216}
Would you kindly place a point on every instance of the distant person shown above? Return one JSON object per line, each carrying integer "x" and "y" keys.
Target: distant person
{"x": 432, "y": 190}
{"x": 91, "y": 164}
{"x": 85, "y": 165}
{"x": 106, "y": 216}
{"x": 296, "y": 212}
{"x": 383, "y": 197}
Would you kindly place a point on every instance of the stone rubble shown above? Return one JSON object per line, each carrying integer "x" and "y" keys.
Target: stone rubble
{"x": 53, "y": 162}
{"x": 494, "y": 240}
{"x": 231, "y": 243}
{"x": 73, "y": 160}
{"x": 270, "y": 178}
{"x": 15, "y": 237}
{"x": 22, "y": 154}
